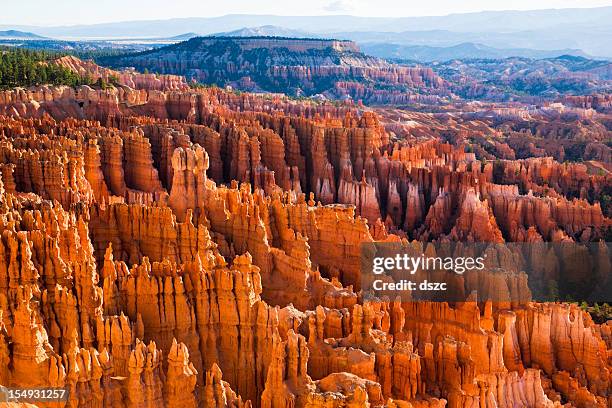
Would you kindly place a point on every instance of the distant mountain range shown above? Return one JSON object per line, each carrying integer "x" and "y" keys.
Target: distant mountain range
{"x": 424, "y": 53}
{"x": 594, "y": 41}
{"x": 268, "y": 31}
{"x": 420, "y": 53}
{"x": 586, "y": 29}
{"x": 183, "y": 37}
{"x": 486, "y": 21}
{"x": 19, "y": 35}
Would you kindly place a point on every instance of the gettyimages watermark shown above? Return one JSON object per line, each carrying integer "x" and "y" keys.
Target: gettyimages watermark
{"x": 509, "y": 272}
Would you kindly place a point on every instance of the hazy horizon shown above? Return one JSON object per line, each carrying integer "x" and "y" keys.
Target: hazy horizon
{"x": 42, "y": 13}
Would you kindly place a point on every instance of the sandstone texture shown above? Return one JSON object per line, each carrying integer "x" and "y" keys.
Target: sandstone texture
{"x": 171, "y": 247}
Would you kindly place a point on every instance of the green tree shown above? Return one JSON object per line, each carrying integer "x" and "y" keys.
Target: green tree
{"x": 24, "y": 68}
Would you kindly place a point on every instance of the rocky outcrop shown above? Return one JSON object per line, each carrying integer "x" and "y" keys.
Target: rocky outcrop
{"x": 202, "y": 248}
{"x": 91, "y": 70}
{"x": 308, "y": 66}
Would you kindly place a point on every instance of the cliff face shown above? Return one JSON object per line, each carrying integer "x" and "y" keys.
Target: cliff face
{"x": 336, "y": 69}
{"x": 202, "y": 248}
{"x": 127, "y": 78}
{"x": 295, "y": 66}
{"x": 290, "y": 44}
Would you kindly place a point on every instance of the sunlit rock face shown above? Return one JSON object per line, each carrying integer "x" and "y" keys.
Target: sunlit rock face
{"x": 297, "y": 66}
{"x": 167, "y": 247}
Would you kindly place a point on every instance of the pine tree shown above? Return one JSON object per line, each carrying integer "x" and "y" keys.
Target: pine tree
{"x": 19, "y": 67}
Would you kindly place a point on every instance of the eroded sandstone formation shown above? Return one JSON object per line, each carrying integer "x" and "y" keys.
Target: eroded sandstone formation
{"x": 202, "y": 248}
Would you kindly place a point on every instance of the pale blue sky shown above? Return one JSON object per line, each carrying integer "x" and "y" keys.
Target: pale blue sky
{"x": 68, "y": 12}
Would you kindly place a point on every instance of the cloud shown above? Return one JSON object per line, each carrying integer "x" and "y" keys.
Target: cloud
{"x": 336, "y": 6}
